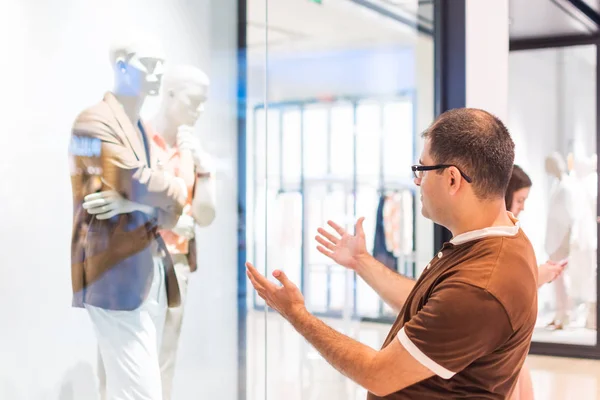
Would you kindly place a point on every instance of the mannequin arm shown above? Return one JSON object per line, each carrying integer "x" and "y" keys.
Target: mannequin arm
{"x": 123, "y": 172}
{"x": 203, "y": 203}
{"x": 202, "y": 178}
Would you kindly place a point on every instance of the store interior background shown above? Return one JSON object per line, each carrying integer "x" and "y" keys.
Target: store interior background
{"x": 60, "y": 53}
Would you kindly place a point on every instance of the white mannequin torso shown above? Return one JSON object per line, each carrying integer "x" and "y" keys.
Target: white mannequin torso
{"x": 180, "y": 109}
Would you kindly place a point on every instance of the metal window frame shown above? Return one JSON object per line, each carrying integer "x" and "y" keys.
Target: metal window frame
{"x": 242, "y": 288}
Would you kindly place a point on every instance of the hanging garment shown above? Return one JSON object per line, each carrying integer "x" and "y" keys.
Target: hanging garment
{"x": 380, "y": 251}
{"x": 407, "y": 223}
{"x": 398, "y": 223}
{"x": 392, "y": 216}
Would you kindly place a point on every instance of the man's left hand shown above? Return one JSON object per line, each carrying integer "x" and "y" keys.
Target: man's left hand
{"x": 287, "y": 299}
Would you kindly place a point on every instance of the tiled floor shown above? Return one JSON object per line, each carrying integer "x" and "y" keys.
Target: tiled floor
{"x": 296, "y": 372}
{"x": 279, "y": 360}
{"x": 564, "y": 378}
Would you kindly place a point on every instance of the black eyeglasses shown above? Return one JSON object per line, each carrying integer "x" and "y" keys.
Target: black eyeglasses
{"x": 419, "y": 169}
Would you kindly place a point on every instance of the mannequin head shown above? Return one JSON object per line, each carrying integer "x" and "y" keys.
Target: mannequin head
{"x": 555, "y": 165}
{"x": 138, "y": 67}
{"x": 184, "y": 93}
{"x": 517, "y": 191}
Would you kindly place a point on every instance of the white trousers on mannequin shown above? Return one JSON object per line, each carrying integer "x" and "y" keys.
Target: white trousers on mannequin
{"x": 172, "y": 328}
{"x": 128, "y": 343}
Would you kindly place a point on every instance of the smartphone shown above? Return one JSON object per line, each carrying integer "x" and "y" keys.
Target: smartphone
{"x": 563, "y": 262}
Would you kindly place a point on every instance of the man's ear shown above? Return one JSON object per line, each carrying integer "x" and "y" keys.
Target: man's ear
{"x": 455, "y": 180}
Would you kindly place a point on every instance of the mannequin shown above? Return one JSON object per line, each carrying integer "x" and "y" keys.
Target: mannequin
{"x": 184, "y": 93}
{"x": 126, "y": 300}
{"x": 584, "y": 237}
{"x": 558, "y": 230}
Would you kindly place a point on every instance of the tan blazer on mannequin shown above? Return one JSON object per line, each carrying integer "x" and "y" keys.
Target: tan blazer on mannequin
{"x": 108, "y": 153}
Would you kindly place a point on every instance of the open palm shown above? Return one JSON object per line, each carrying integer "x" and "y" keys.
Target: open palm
{"x": 345, "y": 249}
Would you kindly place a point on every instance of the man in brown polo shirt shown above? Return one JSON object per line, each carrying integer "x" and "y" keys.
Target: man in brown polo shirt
{"x": 465, "y": 326}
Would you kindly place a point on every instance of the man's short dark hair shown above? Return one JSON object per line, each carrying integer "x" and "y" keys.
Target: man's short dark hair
{"x": 479, "y": 144}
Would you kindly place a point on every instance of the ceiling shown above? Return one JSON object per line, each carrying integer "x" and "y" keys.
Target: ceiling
{"x": 543, "y": 18}
{"x": 334, "y": 24}
{"x": 297, "y": 25}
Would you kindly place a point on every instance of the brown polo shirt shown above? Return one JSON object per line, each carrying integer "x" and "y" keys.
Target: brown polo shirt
{"x": 470, "y": 317}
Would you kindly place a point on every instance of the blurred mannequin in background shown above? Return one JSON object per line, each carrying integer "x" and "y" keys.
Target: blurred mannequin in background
{"x": 583, "y": 241}
{"x": 121, "y": 271}
{"x": 184, "y": 93}
{"x": 516, "y": 195}
{"x": 558, "y": 232}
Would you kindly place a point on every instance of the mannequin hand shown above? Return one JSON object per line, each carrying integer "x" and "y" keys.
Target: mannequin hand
{"x": 185, "y": 227}
{"x": 105, "y": 205}
{"x": 550, "y": 271}
{"x": 186, "y": 141}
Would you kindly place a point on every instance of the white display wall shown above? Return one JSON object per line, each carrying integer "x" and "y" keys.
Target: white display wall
{"x": 54, "y": 64}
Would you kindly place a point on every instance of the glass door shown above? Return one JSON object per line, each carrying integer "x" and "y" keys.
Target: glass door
{"x": 346, "y": 96}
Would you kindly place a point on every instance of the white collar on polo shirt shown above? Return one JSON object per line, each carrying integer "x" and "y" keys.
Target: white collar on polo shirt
{"x": 487, "y": 232}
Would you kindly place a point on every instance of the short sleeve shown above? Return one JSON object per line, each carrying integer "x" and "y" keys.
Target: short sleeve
{"x": 459, "y": 324}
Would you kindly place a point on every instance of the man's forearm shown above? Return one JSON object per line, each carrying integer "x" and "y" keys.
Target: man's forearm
{"x": 350, "y": 357}
{"x": 392, "y": 287}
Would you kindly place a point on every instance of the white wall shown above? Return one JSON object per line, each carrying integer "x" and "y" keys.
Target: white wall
{"x": 550, "y": 110}
{"x": 425, "y": 67}
{"x": 487, "y": 56}
{"x": 534, "y": 120}
{"x": 55, "y": 64}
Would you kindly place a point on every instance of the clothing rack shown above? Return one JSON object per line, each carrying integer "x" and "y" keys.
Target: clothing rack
{"x": 353, "y": 182}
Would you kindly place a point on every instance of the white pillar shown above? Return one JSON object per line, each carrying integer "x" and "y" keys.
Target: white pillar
{"x": 486, "y": 48}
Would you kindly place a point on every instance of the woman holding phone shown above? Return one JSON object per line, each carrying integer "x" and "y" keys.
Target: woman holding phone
{"x": 516, "y": 195}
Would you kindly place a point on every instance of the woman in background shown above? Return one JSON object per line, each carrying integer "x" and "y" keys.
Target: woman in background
{"x": 516, "y": 195}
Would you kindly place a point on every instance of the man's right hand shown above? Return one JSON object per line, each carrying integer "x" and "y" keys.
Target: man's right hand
{"x": 346, "y": 250}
